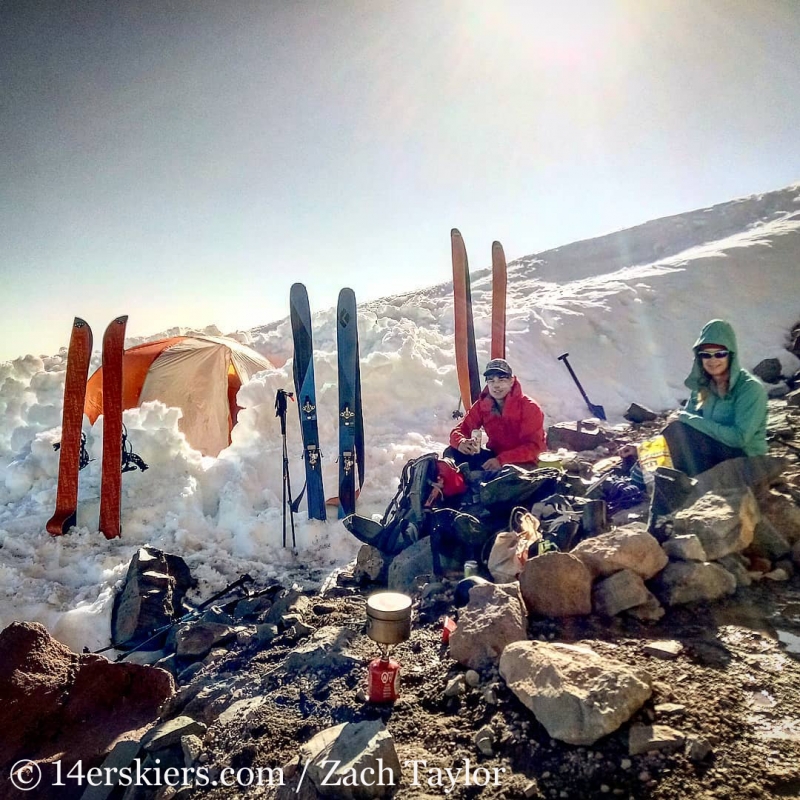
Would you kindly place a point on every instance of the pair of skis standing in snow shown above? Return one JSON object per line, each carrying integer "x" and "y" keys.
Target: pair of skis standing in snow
{"x": 351, "y": 424}
{"x": 72, "y": 457}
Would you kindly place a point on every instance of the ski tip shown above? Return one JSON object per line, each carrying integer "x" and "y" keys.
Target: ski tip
{"x": 79, "y": 323}
{"x": 297, "y": 288}
{"x": 346, "y": 292}
{"x": 455, "y": 232}
{"x": 121, "y": 320}
{"x": 496, "y": 245}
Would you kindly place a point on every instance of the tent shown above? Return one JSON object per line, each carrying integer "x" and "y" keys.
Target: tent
{"x": 199, "y": 374}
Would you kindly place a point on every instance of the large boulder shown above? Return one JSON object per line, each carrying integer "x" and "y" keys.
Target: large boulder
{"x": 754, "y": 472}
{"x": 689, "y": 581}
{"x": 350, "y": 761}
{"x": 556, "y": 585}
{"x": 493, "y": 618}
{"x": 768, "y": 541}
{"x": 409, "y": 564}
{"x": 724, "y": 522}
{"x": 56, "y": 701}
{"x": 619, "y": 592}
{"x": 782, "y": 512}
{"x": 685, "y": 548}
{"x": 576, "y": 694}
{"x": 629, "y": 547}
{"x": 575, "y": 436}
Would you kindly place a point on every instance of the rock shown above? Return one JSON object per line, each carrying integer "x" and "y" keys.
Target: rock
{"x": 650, "y": 611}
{"x": 723, "y": 522}
{"x": 786, "y": 565}
{"x": 484, "y": 740}
{"x": 251, "y": 608}
{"x": 556, "y": 585}
{"x": 689, "y": 581}
{"x": 409, "y": 564}
{"x": 576, "y": 694}
{"x": 630, "y": 547}
{"x": 777, "y": 575}
{"x": 241, "y": 709}
{"x": 760, "y": 564}
{"x": 195, "y": 639}
{"x": 778, "y": 390}
{"x": 472, "y": 678}
{"x": 769, "y": 370}
{"x": 170, "y": 732}
{"x": 45, "y": 687}
{"x": 372, "y": 566}
{"x": 357, "y": 747}
{"x": 637, "y": 413}
{"x": 455, "y": 686}
{"x": 697, "y": 749}
{"x": 685, "y": 548}
{"x": 793, "y": 398}
{"x": 644, "y": 738}
{"x": 494, "y": 617}
{"x": 783, "y": 513}
{"x": 151, "y": 597}
{"x": 669, "y": 709}
{"x": 326, "y": 651}
{"x": 622, "y": 590}
{"x": 120, "y": 757}
{"x": 575, "y": 436}
{"x": 768, "y": 542}
{"x": 667, "y": 650}
{"x": 755, "y": 472}
{"x": 191, "y": 747}
{"x": 796, "y": 554}
{"x": 734, "y": 565}
{"x": 288, "y": 603}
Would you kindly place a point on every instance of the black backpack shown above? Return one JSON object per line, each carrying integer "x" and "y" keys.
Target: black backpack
{"x": 406, "y": 519}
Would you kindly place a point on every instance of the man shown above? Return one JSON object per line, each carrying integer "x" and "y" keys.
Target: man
{"x": 513, "y": 422}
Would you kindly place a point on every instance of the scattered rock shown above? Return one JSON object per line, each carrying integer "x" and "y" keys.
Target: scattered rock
{"x": 455, "y": 686}
{"x": 170, "y": 732}
{"x": 195, "y": 639}
{"x": 769, "y": 370}
{"x": 755, "y": 472}
{"x": 575, "y": 436}
{"x": 793, "y": 398}
{"x": 556, "y": 585}
{"x": 688, "y": 581}
{"x": 777, "y": 575}
{"x": 697, "y": 749}
{"x": 494, "y": 617}
{"x": 667, "y": 650}
{"x": 472, "y": 678}
{"x": 357, "y": 748}
{"x": 734, "y": 564}
{"x": 630, "y": 547}
{"x": 650, "y": 611}
{"x": 644, "y": 738}
{"x": 409, "y": 564}
{"x": 638, "y": 414}
{"x": 372, "y": 566}
{"x": 768, "y": 542}
{"x": 484, "y": 741}
{"x": 326, "y": 650}
{"x": 685, "y": 547}
{"x": 783, "y": 513}
{"x": 622, "y": 590}
{"x": 576, "y": 694}
{"x": 669, "y": 709}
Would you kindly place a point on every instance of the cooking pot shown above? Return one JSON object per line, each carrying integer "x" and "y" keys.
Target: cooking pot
{"x": 389, "y": 617}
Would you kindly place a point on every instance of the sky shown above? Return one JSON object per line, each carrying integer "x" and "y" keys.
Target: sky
{"x": 185, "y": 162}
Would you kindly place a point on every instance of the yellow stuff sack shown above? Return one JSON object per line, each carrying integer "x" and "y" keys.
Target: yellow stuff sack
{"x": 654, "y": 453}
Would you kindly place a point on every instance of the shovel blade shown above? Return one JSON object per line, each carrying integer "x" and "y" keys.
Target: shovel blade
{"x": 598, "y": 411}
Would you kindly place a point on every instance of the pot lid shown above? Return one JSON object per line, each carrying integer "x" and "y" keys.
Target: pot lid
{"x": 389, "y": 605}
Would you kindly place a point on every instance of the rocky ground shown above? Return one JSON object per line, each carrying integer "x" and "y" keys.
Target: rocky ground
{"x": 726, "y": 691}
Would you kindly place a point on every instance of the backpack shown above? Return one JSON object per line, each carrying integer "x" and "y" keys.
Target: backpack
{"x": 406, "y": 517}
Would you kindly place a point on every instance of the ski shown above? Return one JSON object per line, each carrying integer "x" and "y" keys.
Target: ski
{"x": 307, "y": 398}
{"x": 111, "y": 482}
{"x": 499, "y": 282}
{"x": 469, "y": 380}
{"x": 351, "y": 423}
{"x": 78, "y": 357}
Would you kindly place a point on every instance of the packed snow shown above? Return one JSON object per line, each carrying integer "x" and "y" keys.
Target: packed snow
{"x": 626, "y": 307}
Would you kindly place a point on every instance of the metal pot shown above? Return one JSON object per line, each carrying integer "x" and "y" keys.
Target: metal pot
{"x": 389, "y": 617}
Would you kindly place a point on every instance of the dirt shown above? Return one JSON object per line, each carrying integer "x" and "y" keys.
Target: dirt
{"x": 736, "y": 685}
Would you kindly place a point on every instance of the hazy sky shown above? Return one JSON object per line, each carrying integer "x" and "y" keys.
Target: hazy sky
{"x": 185, "y": 162}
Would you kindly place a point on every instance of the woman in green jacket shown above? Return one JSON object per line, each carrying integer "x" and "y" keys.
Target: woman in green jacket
{"x": 726, "y": 416}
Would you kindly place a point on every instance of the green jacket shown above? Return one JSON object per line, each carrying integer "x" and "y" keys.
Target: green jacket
{"x": 740, "y": 418}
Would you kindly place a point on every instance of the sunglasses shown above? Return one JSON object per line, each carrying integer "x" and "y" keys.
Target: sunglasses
{"x": 706, "y": 354}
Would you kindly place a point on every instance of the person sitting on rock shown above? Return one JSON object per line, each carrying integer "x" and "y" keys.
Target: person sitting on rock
{"x": 726, "y": 416}
{"x": 514, "y": 424}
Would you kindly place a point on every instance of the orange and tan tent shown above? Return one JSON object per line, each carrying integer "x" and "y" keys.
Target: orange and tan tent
{"x": 199, "y": 374}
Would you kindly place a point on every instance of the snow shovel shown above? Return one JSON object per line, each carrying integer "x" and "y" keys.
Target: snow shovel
{"x": 597, "y": 411}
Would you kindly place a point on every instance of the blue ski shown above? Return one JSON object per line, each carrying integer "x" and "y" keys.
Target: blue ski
{"x": 307, "y": 398}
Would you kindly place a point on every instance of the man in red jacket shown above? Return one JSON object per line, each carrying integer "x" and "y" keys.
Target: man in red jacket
{"x": 513, "y": 422}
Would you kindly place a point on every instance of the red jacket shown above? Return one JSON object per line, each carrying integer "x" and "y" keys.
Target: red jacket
{"x": 516, "y": 435}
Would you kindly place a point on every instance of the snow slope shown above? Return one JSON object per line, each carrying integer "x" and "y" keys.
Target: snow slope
{"x": 627, "y": 307}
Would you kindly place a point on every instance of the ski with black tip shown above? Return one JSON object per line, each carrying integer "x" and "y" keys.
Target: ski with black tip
{"x": 111, "y": 480}
{"x": 469, "y": 379}
{"x": 78, "y": 358}
{"x": 306, "y": 394}
{"x": 351, "y": 422}
{"x": 499, "y": 285}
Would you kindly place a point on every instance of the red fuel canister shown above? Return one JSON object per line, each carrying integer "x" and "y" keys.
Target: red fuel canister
{"x": 383, "y": 680}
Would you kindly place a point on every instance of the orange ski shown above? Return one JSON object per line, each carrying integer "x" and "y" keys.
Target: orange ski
{"x": 469, "y": 380}
{"x": 499, "y": 282}
{"x": 78, "y": 357}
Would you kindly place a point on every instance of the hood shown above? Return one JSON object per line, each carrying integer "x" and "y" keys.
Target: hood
{"x": 718, "y": 331}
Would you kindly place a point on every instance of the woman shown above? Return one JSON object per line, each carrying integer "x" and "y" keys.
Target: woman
{"x": 726, "y": 416}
